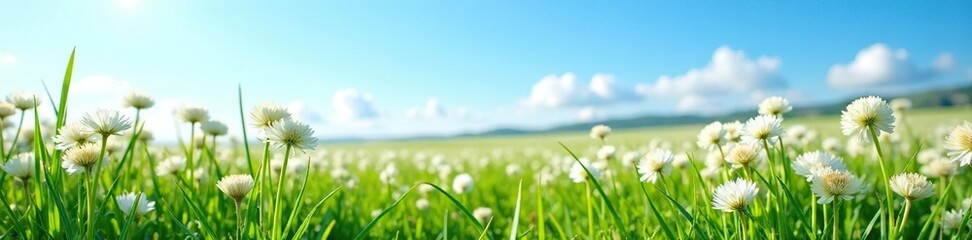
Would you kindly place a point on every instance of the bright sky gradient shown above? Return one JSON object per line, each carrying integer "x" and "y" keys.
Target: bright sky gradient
{"x": 404, "y": 68}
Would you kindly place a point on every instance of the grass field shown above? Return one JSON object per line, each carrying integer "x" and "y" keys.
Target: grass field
{"x": 523, "y": 187}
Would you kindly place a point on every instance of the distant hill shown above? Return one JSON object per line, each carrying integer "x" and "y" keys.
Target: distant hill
{"x": 932, "y": 98}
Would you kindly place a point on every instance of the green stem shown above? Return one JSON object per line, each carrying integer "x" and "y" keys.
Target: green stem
{"x": 904, "y": 218}
{"x": 276, "y": 203}
{"x": 742, "y": 226}
{"x": 884, "y": 173}
{"x": 89, "y": 191}
{"x": 13, "y": 145}
{"x": 192, "y": 147}
{"x": 590, "y": 210}
{"x": 239, "y": 220}
{"x": 3, "y": 152}
{"x": 813, "y": 215}
{"x": 836, "y": 219}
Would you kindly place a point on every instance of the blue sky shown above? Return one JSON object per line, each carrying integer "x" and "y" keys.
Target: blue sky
{"x": 377, "y": 69}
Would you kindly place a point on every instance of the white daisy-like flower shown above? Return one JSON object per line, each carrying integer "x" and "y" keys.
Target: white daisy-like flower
{"x": 214, "y": 128}
{"x": 606, "y": 152}
{"x": 171, "y": 166}
{"x": 745, "y": 155}
{"x": 952, "y": 219}
{"x": 236, "y": 186}
{"x": 762, "y": 128}
{"x": 600, "y": 132}
{"x": 463, "y": 183}
{"x": 106, "y": 122}
{"x": 710, "y": 173}
{"x": 422, "y": 204}
{"x": 812, "y": 163}
{"x": 23, "y": 100}
{"x": 928, "y": 155}
{"x": 127, "y": 201}
{"x": 629, "y": 158}
{"x": 714, "y": 159}
{"x": 577, "y": 173}
{"x": 81, "y": 158}
{"x": 388, "y": 175}
{"x": 733, "y": 131}
{"x": 193, "y": 114}
{"x": 266, "y": 114}
{"x": 291, "y": 133}
{"x": 734, "y": 195}
{"x": 712, "y": 136}
{"x": 74, "y": 134}
{"x": 483, "y": 214}
{"x": 959, "y": 143}
{"x": 832, "y": 145}
{"x": 900, "y": 104}
{"x": 513, "y": 170}
{"x": 912, "y": 186}
{"x": 832, "y": 184}
{"x": 680, "y": 161}
{"x": 7, "y": 110}
{"x": 940, "y": 168}
{"x": 21, "y": 166}
{"x": 654, "y": 164}
{"x": 138, "y": 100}
{"x": 867, "y": 112}
{"x": 775, "y": 106}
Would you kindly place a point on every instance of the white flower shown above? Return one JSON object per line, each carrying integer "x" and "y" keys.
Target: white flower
{"x": 600, "y": 132}
{"x": 23, "y": 100}
{"x": 193, "y": 114}
{"x": 734, "y": 195}
{"x": 214, "y": 128}
{"x": 138, "y": 100}
{"x": 629, "y": 158}
{"x": 127, "y": 201}
{"x": 940, "y": 168}
{"x": 959, "y": 143}
{"x": 236, "y": 186}
{"x": 912, "y": 186}
{"x": 714, "y": 159}
{"x": 831, "y": 184}
{"x": 82, "y": 157}
{"x": 21, "y": 166}
{"x": 867, "y": 112}
{"x": 74, "y": 134}
{"x": 775, "y": 106}
{"x": 106, "y": 122}
{"x": 483, "y": 214}
{"x": 7, "y": 110}
{"x": 513, "y": 169}
{"x": 292, "y": 133}
{"x": 170, "y": 166}
{"x": 733, "y": 131}
{"x": 832, "y": 145}
{"x": 900, "y": 104}
{"x": 760, "y": 128}
{"x": 812, "y": 163}
{"x": 712, "y": 136}
{"x": 745, "y": 155}
{"x": 606, "y": 152}
{"x": 463, "y": 183}
{"x": 952, "y": 219}
{"x": 654, "y": 164}
{"x": 422, "y": 204}
{"x": 680, "y": 161}
{"x": 388, "y": 175}
{"x": 266, "y": 114}
{"x": 577, "y": 173}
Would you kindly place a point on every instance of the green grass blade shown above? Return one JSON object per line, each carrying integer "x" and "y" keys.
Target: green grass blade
{"x": 303, "y": 226}
{"x": 617, "y": 218}
{"x": 65, "y": 87}
{"x": 516, "y": 211}
{"x": 541, "y": 229}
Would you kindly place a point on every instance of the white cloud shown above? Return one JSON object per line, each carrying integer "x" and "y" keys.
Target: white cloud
{"x": 589, "y": 113}
{"x": 554, "y": 91}
{"x": 349, "y": 104}
{"x": 7, "y": 59}
{"x": 100, "y": 85}
{"x": 879, "y": 65}
{"x": 301, "y": 111}
{"x": 434, "y": 109}
{"x": 729, "y": 71}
